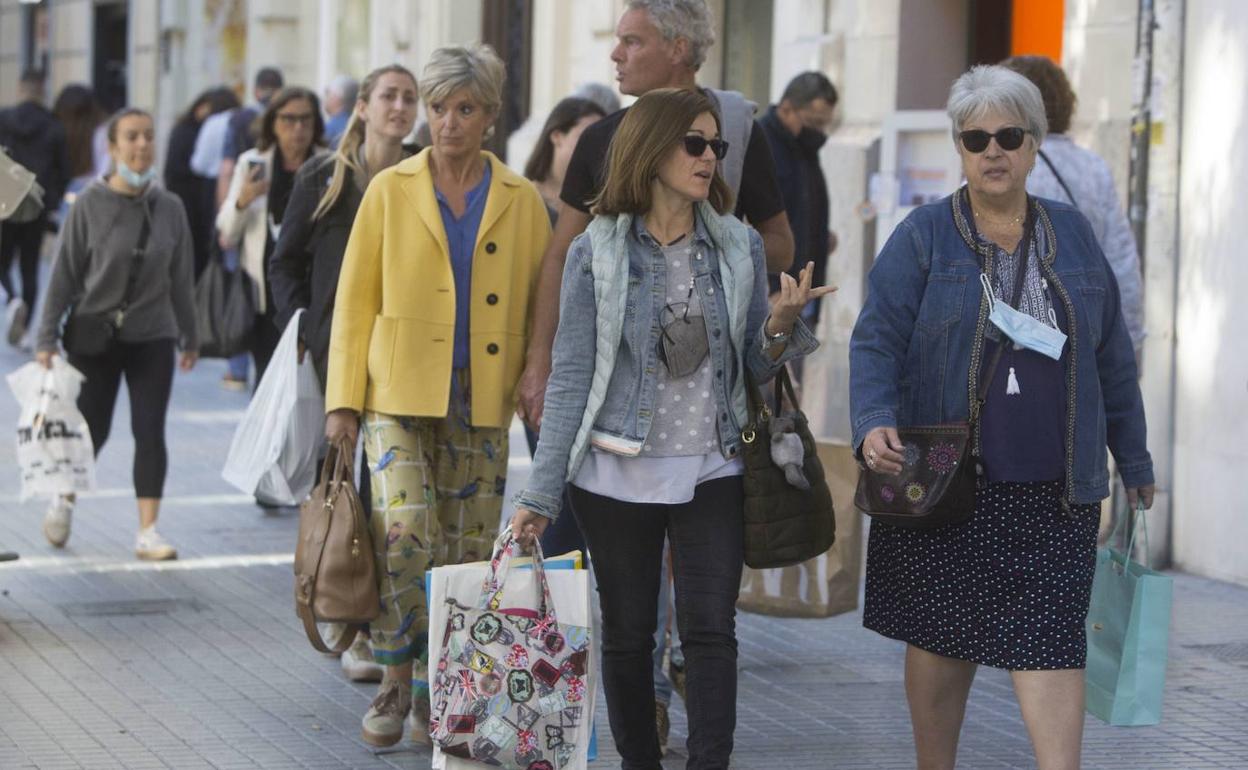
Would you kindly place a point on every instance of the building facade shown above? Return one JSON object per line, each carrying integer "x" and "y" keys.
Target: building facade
{"x": 1158, "y": 81}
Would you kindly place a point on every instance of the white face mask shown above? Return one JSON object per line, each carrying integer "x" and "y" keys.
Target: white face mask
{"x": 134, "y": 178}
{"x": 1022, "y": 328}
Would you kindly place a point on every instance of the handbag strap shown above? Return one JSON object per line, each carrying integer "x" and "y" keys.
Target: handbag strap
{"x": 1058, "y": 177}
{"x": 505, "y": 548}
{"x": 1020, "y": 275}
{"x": 136, "y": 262}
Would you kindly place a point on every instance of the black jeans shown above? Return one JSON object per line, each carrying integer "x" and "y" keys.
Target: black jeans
{"x": 26, "y": 239}
{"x": 148, "y": 369}
{"x": 707, "y": 555}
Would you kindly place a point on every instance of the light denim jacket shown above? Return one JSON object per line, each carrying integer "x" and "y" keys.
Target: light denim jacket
{"x": 608, "y": 396}
{"x": 915, "y": 353}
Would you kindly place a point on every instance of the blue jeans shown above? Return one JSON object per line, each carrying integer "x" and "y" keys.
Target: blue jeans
{"x": 238, "y": 364}
{"x": 707, "y": 542}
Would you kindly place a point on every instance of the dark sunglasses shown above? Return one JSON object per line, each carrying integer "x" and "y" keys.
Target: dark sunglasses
{"x": 696, "y": 145}
{"x": 976, "y": 140}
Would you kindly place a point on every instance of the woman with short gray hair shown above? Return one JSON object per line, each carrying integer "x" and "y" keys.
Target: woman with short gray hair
{"x": 996, "y": 310}
{"x": 427, "y": 343}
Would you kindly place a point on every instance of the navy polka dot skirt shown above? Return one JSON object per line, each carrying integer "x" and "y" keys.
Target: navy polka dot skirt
{"x": 1009, "y": 588}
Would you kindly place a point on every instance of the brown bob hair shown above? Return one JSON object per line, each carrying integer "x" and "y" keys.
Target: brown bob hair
{"x": 651, "y": 129}
{"x": 1059, "y": 97}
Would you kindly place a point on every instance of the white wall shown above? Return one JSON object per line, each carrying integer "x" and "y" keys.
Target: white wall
{"x": 1211, "y": 448}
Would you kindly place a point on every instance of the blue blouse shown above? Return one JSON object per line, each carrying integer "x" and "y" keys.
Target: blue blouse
{"x": 461, "y": 239}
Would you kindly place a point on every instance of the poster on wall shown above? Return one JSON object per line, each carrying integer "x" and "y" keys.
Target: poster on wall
{"x": 225, "y": 43}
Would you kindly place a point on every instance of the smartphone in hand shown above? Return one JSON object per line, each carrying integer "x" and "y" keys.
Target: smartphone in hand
{"x": 255, "y": 169}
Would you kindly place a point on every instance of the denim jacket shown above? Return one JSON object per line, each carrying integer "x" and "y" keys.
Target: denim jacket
{"x": 614, "y": 391}
{"x": 916, "y": 350}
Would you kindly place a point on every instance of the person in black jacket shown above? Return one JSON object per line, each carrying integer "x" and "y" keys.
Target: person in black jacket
{"x": 795, "y": 129}
{"x": 303, "y": 269}
{"x": 304, "y": 266}
{"x": 35, "y": 139}
{"x": 196, "y": 192}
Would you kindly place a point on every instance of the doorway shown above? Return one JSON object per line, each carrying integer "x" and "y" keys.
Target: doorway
{"x": 108, "y": 66}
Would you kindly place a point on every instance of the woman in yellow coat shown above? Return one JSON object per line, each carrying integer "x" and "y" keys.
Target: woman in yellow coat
{"x": 429, "y": 333}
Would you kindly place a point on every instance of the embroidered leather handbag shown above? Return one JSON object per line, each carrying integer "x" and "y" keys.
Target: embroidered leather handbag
{"x": 940, "y": 473}
{"x": 509, "y": 689}
{"x": 335, "y": 569}
{"x": 784, "y": 523}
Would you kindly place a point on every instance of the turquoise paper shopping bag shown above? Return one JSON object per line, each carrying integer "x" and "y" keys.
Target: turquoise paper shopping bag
{"x": 1128, "y": 636}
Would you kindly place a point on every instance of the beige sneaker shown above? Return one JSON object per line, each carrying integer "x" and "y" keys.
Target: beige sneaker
{"x": 56, "y": 521}
{"x": 383, "y": 722}
{"x": 331, "y": 634}
{"x": 418, "y": 722}
{"x": 150, "y": 546}
{"x": 358, "y": 663}
{"x": 663, "y": 724}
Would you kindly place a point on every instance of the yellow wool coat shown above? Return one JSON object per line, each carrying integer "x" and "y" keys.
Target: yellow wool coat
{"x": 391, "y": 343}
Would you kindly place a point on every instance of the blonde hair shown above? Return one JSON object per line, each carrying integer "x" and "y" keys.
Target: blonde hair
{"x": 650, "y": 130}
{"x": 475, "y": 67}
{"x": 344, "y": 157}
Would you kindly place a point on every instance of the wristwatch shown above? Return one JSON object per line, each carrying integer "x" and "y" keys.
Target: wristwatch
{"x": 770, "y": 340}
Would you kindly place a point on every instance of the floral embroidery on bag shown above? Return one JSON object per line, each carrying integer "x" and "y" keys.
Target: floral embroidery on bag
{"x": 942, "y": 458}
{"x": 887, "y": 493}
{"x": 911, "y": 454}
{"x": 915, "y": 493}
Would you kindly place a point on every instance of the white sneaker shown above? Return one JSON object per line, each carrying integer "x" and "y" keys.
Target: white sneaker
{"x": 150, "y": 546}
{"x": 56, "y": 521}
{"x": 18, "y": 315}
{"x": 358, "y": 664}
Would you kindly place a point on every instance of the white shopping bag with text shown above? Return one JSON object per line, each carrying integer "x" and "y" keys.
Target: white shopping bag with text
{"x": 274, "y": 451}
{"x": 54, "y": 452}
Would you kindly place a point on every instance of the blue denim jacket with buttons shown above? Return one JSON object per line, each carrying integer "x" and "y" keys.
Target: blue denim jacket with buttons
{"x": 623, "y": 421}
{"x": 916, "y": 350}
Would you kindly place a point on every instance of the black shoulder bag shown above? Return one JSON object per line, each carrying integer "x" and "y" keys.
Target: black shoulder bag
{"x": 940, "y": 472}
{"x": 784, "y": 524}
{"x": 92, "y": 334}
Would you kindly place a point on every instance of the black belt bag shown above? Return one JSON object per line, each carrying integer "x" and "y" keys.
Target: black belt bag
{"x": 92, "y": 334}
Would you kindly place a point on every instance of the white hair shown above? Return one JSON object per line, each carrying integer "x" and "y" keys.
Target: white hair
{"x": 992, "y": 88}
{"x": 346, "y": 87}
{"x": 475, "y": 67}
{"x": 690, "y": 19}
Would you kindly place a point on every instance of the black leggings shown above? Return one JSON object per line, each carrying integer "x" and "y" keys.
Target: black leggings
{"x": 25, "y": 239}
{"x": 148, "y": 368}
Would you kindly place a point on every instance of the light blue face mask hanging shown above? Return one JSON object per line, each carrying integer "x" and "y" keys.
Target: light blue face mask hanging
{"x": 135, "y": 178}
{"x": 1023, "y": 329}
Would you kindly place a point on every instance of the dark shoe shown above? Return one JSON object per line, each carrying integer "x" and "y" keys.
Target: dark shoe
{"x": 663, "y": 724}
{"x": 8, "y": 556}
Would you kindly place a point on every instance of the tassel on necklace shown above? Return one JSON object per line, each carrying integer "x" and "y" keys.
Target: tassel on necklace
{"x": 1011, "y": 384}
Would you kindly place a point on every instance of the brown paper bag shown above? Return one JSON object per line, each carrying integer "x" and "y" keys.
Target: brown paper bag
{"x": 826, "y": 585}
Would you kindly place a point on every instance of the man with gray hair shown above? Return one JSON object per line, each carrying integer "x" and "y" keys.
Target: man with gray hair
{"x": 340, "y": 97}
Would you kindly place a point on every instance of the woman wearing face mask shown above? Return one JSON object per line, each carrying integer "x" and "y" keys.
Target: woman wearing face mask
{"x": 428, "y": 341}
{"x": 994, "y": 304}
{"x": 663, "y": 306}
{"x": 291, "y": 132}
{"x": 125, "y": 251}
{"x": 303, "y": 270}
{"x": 549, "y": 160}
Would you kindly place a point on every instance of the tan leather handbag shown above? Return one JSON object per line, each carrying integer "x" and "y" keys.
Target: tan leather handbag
{"x": 335, "y": 569}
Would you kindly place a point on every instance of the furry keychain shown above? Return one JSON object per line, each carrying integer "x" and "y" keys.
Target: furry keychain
{"x": 787, "y": 452}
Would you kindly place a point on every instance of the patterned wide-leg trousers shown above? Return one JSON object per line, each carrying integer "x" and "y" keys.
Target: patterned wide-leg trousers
{"x": 437, "y": 499}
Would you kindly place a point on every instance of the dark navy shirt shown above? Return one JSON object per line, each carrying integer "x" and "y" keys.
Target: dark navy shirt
{"x": 461, "y": 239}
{"x": 1021, "y": 434}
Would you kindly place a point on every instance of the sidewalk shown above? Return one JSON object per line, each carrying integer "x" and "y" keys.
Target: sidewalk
{"x": 201, "y": 663}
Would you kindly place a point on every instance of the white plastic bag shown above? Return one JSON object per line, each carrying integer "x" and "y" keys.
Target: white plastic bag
{"x": 569, "y": 592}
{"x": 274, "y": 450}
{"x": 54, "y": 452}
